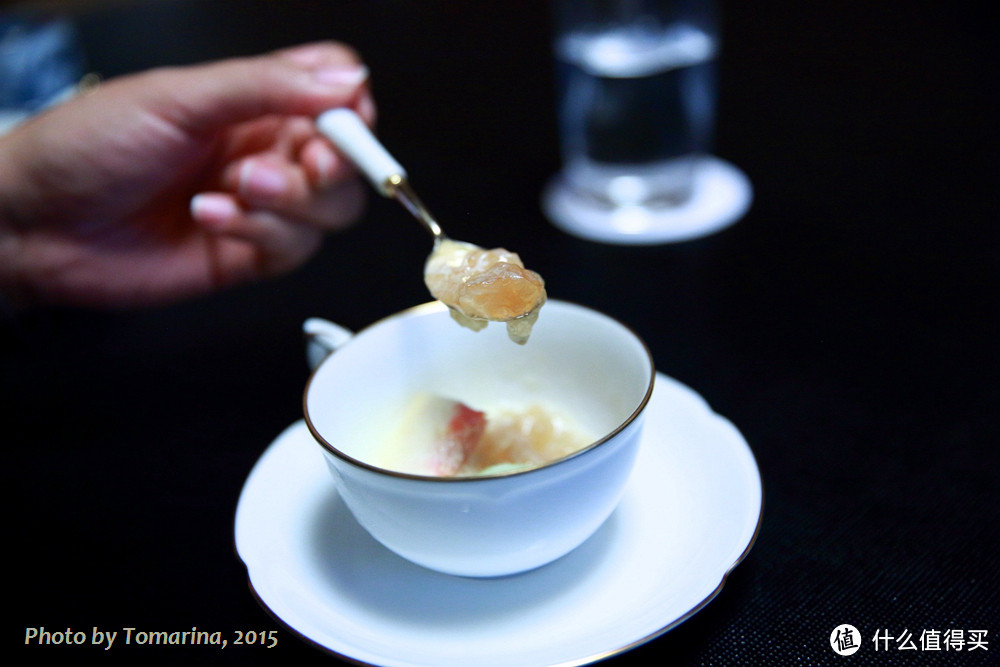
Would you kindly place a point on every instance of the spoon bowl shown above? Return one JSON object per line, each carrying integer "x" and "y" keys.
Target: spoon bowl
{"x": 478, "y": 285}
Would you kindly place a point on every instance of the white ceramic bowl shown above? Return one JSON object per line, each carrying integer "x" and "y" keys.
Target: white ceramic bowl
{"x": 578, "y": 362}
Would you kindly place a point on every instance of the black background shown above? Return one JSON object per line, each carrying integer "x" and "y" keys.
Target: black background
{"x": 844, "y": 325}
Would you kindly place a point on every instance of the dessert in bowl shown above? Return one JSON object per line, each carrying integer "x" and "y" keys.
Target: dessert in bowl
{"x": 470, "y": 455}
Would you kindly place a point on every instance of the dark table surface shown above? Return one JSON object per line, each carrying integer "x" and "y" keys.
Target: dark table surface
{"x": 843, "y": 325}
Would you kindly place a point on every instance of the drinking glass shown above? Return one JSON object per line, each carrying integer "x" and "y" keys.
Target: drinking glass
{"x": 637, "y": 97}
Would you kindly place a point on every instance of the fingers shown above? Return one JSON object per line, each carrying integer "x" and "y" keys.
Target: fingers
{"x": 279, "y": 245}
{"x": 320, "y": 189}
{"x": 284, "y": 185}
{"x": 321, "y": 56}
{"x": 323, "y": 165}
{"x": 224, "y": 213}
{"x": 282, "y": 165}
{"x": 287, "y": 143}
{"x": 302, "y": 81}
{"x": 283, "y": 241}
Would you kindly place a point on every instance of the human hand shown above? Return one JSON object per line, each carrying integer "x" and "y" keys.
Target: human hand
{"x": 178, "y": 181}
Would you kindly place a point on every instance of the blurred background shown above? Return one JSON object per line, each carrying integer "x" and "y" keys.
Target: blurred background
{"x": 843, "y": 324}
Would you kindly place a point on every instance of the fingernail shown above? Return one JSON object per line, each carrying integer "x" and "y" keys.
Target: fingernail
{"x": 366, "y": 108}
{"x": 341, "y": 76}
{"x": 259, "y": 180}
{"x": 214, "y": 210}
{"x": 324, "y": 166}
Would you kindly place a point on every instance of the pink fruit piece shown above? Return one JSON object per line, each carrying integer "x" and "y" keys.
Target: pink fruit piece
{"x": 458, "y": 440}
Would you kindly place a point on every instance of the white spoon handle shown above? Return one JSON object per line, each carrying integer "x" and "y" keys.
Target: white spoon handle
{"x": 350, "y": 134}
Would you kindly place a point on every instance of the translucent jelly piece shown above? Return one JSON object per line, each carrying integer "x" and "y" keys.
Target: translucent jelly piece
{"x": 466, "y": 321}
{"x": 502, "y": 292}
{"x": 525, "y": 438}
{"x": 485, "y": 285}
{"x": 520, "y": 329}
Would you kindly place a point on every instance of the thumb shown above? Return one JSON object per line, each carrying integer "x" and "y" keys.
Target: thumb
{"x": 211, "y": 96}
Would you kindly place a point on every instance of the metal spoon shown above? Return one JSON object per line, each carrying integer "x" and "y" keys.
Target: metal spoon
{"x": 350, "y": 134}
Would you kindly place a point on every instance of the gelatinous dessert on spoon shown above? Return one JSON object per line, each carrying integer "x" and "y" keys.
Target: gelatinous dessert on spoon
{"x": 441, "y": 437}
{"x": 480, "y": 286}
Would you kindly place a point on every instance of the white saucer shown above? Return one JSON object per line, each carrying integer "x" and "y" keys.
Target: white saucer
{"x": 690, "y": 514}
{"x": 721, "y": 195}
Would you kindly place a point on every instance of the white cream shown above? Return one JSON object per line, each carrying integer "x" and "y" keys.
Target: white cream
{"x": 515, "y": 438}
